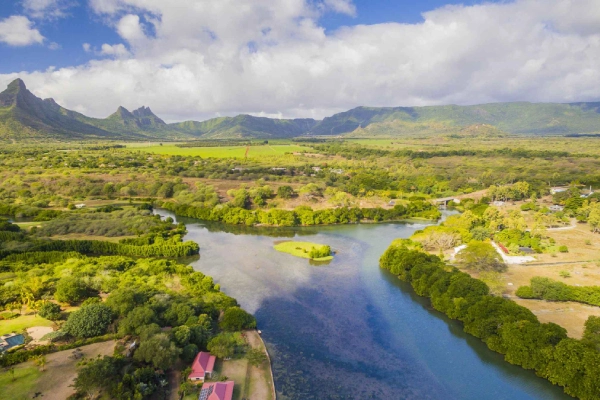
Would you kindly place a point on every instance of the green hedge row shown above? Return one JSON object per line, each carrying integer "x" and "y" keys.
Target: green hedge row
{"x": 96, "y": 247}
{"x": 548, "y": 289}
{"x": 304, "y": 216}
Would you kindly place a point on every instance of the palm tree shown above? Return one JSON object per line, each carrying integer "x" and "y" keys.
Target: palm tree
{"x": 41, "y": 362}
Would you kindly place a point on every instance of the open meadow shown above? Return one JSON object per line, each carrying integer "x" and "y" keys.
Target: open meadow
{"x": 221, "y": 152}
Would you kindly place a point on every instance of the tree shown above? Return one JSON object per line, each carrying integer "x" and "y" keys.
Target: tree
{"x": 89, "y": 321}
{"x": 591, "y": 334}
{"x": 285, "y": 192}
{"x": 223, "y": 345}
{"x": 236, "y": 319}
{"x": 189, "y": 352}
{"x": 40, "y": 361}
{"x": 70, "y": 290}
{"x": 50, "y": 311}
{"x": 94, "y": 376}
{"x": 158, "y": 351}
{"x": 123, "y": 300}
{"x": 178, "y": 313}
{"x": 256, "y": 357}
{"x": 135, "y": 319}
{"x": 480, "y": 256}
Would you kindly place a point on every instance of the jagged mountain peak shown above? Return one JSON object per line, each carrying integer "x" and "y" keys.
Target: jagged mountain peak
{"x": 146, "y": 117}
{"x": 122, "y": 113}
{"x": 143, "y": 111}
{"x": 17, "y": 83}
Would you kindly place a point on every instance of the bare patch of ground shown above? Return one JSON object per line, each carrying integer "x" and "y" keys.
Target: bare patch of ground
{"x": 37, "y": 332}
{"x": 569, "y": 315}
{"x": 60, "y": 370}
{"x": 54, "y": 383}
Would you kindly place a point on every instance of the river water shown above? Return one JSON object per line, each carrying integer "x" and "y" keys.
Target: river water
{"x": 349, "y": 330}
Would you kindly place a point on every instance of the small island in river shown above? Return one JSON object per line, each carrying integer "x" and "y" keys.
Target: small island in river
{"x": 313, "y": 251}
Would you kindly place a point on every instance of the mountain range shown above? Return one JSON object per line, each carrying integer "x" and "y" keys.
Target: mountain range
{"x": 25, "y": 116}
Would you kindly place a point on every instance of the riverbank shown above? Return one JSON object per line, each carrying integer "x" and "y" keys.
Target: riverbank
{"x": 504, "y": 326}
{"x": 305, "y": 216}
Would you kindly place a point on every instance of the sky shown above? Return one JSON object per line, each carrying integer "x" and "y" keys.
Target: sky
{"x": 198, "y": 59}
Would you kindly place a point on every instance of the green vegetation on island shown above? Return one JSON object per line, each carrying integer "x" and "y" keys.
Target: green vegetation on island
{"x": 313, "y": 251}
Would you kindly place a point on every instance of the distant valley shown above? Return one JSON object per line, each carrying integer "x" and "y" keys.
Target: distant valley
{"x": 24, "y": 116}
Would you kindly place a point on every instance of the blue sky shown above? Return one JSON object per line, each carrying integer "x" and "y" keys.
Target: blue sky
{"x": 81, "y": 25}
{"x": 197, "y": 59}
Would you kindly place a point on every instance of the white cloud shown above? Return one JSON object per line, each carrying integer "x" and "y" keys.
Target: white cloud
{"x": 130, "y": 29}
{"x": 47, "y": 9}
{"x": 116, "y": 50}
{"x": 19, "y": 31}
{"x": 197, "y": 59}
{"x": 341, "y": 6}
{"x": 86, "y": 47}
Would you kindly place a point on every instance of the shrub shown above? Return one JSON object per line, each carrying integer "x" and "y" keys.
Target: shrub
{"x": 54, "y": 336}
{"x": 480, "y": 256}
{"x": 71, "y": 290}
{"x": 565, "y": 274}
{"x": 563, "y": 249}
{"x": 236, "y": 319}
{"x": 323, "y": 251}
{"x": 89, "y": 321}
{"x": 50, "y": 311}
{"x": 189, "y": 352}
{"x": 525, "y": 292}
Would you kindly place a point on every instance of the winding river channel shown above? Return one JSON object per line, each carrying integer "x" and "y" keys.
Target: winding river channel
{"x": 349, "y": 330}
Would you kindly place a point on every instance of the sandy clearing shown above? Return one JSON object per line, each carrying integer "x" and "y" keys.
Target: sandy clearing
{"x": 37, "y": 332}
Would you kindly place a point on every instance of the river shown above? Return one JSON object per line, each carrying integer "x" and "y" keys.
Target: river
{"x": 349, "y": 330}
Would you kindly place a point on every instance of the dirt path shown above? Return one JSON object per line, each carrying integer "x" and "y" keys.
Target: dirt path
{"x": 565, "y": 228}
{"x": 261, "y": 386}
{"x": 60, "y": 371}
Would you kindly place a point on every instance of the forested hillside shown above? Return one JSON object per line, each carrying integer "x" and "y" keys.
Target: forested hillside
{"x": 23, "y": 116}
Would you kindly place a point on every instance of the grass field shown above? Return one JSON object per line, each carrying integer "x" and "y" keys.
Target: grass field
{"x": 301, "y": 249}
{"x": 221, "y": 152}
{"x": 19, "y": 324}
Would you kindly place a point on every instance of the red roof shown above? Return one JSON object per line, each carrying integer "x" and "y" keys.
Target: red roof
{"x": 203, "y": 363}
{"x": 217, "y": 391}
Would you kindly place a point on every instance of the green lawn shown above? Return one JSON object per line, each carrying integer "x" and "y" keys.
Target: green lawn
{"x": 301, "y": 249}
{"x": 21, "y": 323}
{"x": 223, "y": 152}
{"x": 19, "y": 389}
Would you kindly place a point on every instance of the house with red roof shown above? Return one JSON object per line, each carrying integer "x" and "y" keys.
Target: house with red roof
{"x": 216, "y": 391}
{"x": 203, "y": 366}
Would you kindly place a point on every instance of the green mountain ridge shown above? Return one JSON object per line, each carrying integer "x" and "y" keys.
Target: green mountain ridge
{"x": 25, "y": 116}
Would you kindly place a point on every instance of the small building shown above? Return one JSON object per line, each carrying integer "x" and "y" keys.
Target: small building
{"x": 556, "y": 208}
{"x": 316, "y": 169}
{"x": 79, "y": 206}
{"x": 558, "y": 189}
{"x": 217, "y": 391}
{"x": 202, "y": 367}
{"x": 498, "y": 203}
{"x": 11, "y": 340}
